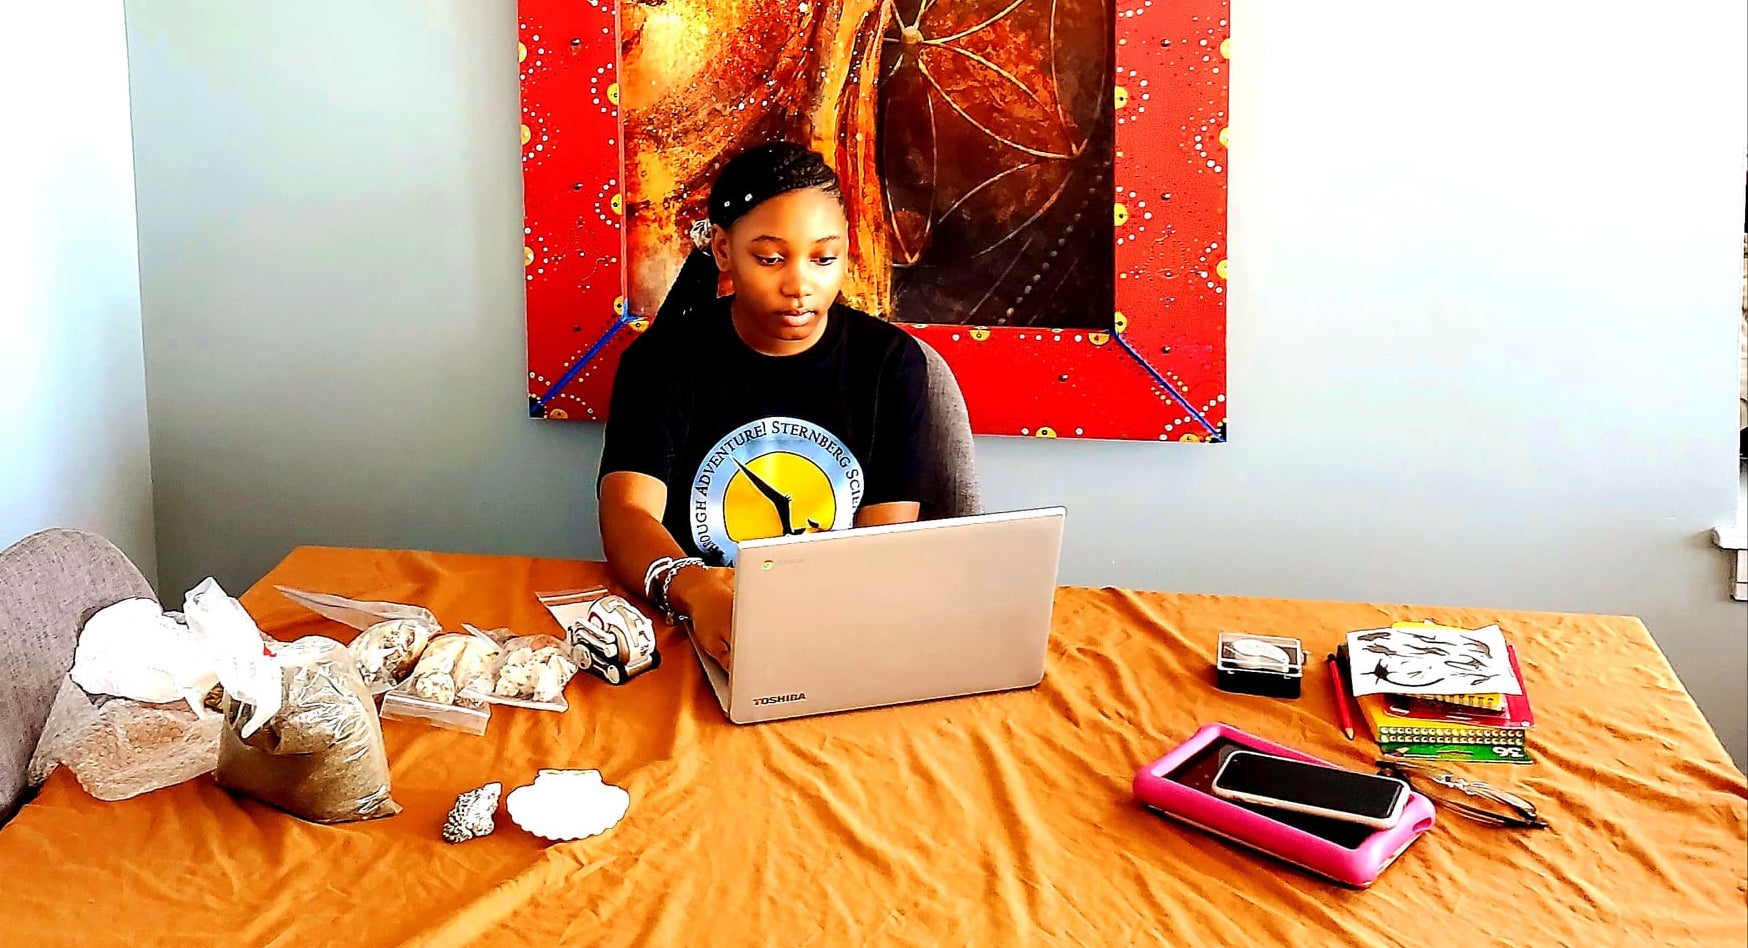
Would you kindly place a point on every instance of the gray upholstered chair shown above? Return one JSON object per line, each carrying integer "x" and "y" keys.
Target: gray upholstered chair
{"x": 952, "y": 489}
{"x": 50, "y": 583}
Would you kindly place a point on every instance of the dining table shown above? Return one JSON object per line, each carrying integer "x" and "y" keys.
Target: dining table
{"x": 1002, "y": 819}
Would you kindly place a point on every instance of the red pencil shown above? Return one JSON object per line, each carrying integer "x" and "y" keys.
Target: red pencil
{"x": 1340, "y": 690}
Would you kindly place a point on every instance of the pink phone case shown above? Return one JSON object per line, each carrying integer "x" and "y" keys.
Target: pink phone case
{"x": 1178, "y": 785}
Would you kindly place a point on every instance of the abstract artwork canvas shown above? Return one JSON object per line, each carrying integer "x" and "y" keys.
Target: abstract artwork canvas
{"x": 1035, "y": 188}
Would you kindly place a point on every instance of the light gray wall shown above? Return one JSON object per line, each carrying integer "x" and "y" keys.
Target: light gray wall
{"x": 72, "y": 376}
{"x": 1482, "y": 327}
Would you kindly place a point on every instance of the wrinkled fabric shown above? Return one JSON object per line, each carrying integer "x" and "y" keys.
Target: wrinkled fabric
{"x": 998, "y": 820}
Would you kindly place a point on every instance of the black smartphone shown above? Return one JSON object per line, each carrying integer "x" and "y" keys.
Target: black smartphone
{"x": 1346, "y": 795}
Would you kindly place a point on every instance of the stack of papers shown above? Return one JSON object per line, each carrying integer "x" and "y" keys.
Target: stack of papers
{"x": 1438, "y": 692}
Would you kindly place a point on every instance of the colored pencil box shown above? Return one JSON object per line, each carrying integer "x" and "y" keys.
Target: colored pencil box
{"x": 1179, "y": 786}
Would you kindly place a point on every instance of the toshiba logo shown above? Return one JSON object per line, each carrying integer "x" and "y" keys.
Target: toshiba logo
{"x": 780, "y": 699}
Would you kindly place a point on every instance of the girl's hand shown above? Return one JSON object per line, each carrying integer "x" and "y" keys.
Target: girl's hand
{"x": 706, "y": 595}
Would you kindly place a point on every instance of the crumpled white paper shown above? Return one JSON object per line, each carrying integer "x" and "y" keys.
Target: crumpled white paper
{"x": 116, "y": 722}
{"x": 234, "y": 644}
{"x": 132, "y": 649}
{"x": 568, "y": 804}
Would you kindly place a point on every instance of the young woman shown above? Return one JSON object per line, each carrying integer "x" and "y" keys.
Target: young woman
{"x": 777, "y": 410}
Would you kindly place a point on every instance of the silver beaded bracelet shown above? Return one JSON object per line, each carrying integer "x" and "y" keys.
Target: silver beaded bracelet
{"x": 673, "y": 569}
{"x": 649, "y": 575}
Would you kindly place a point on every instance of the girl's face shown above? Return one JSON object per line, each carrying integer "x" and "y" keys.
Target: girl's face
{"x": 786, "y": 257}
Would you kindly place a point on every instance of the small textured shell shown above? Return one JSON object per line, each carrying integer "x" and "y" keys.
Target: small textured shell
{"x": 471, "y": 817}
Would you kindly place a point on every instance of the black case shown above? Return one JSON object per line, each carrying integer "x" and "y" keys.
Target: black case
{"x": 1266, "y": 665}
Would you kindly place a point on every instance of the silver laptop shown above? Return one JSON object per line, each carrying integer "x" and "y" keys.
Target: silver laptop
{"x": 885, "y": 615}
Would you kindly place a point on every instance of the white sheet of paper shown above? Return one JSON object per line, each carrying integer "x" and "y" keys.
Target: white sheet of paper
{"x": 1430, "y": 661}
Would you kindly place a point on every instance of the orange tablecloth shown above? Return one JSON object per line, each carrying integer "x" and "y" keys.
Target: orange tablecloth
{"x": 997, "y": 820}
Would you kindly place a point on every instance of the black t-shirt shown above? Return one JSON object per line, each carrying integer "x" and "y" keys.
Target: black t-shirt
{"x": 752, "y": 445}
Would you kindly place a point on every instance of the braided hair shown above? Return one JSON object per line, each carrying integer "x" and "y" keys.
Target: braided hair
{"x": 748, "y": 179}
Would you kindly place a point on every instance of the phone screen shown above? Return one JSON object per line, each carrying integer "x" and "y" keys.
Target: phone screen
{"x": 1325, "y": 788}
{"x": 1198, "y": 772}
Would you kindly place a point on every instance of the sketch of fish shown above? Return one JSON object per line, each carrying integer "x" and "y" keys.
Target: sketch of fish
{"x": 1476, "y": 678}
{"x": 1382, "y": 673}
{"x": 1478, "y": 645}
{"x": 1413, "y": 649}
{"x": 1377, "y": 649}
{"x": 1374, "y": 636}
{"x": 1435, "y": 640}
{"x": 1470, "y": 662}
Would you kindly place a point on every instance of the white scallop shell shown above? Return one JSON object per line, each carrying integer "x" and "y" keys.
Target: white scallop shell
{"x": 567, "y": 804}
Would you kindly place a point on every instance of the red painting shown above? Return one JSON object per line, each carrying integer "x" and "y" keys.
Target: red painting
{"x": 573, "y": 233}
{"x": 1057, "y": 232}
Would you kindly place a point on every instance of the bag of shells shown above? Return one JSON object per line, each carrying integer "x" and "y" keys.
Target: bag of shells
{"x": 391, "y": 638}
{"x": 439, "y": 690}
{"x": 531, "y": 672}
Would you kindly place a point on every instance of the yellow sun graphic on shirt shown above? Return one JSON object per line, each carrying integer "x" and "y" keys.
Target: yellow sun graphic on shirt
{"x": 771, "y": 477}
{"x": 771, "y": 486}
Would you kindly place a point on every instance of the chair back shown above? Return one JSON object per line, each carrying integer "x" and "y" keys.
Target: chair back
{"x": 50, "y": 583}
{"x": 952, "y": 487}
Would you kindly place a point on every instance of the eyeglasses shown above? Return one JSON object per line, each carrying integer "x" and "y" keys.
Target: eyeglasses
{"x": 1522, "y": 813}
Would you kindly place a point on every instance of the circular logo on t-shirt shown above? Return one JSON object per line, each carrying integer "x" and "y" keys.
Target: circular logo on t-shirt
{"x": 768, "y": 478}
